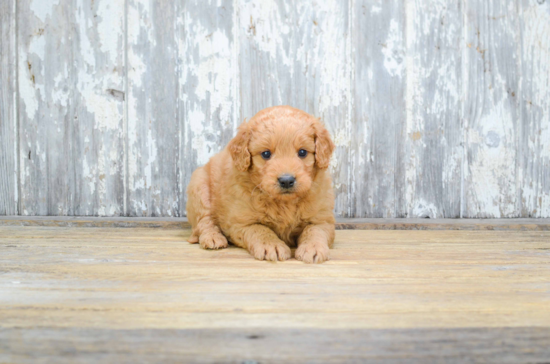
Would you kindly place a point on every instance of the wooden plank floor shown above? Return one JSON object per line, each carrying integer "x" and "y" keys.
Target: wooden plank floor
{"x": 145, "y": 295}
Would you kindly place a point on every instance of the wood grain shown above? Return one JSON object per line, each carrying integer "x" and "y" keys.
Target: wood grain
{"x": 430, "y": 142}
{"x": 439, "y": 109}
{"x": 491, "y": 116}
{"x": 98, "y": 98}
{"x": 8, "y": 120}
{"x": 71, "y": 68}
{"x": 534, "y": 165}
{"x": 153, "y": 130}
{"x": 104, "y": 293}
{"x": 264, "y": 345}
{"x": 266, "y": 55}
{"x": 208, "y": 98}
{"x": 321, "y": 81}
{"x": 46, "y": 112}
{"x": 379, "y": 69}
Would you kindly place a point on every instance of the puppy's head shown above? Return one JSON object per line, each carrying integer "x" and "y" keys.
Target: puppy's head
{"x": 281, "y": 149}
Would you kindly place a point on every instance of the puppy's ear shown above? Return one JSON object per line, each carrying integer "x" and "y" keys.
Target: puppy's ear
{"x": 238, "y": 147}
{"x": 323, "y": 146}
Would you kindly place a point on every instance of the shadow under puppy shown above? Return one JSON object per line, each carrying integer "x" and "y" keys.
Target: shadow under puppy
{"x": 268, "y": 189}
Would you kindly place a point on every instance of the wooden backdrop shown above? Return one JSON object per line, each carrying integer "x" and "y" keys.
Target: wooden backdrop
{"x": 438, "y": 108}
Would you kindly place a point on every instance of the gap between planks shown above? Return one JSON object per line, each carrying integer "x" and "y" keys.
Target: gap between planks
{"x": 341, "y": 223}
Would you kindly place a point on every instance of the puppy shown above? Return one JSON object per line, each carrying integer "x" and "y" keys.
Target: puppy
{"x": 268, "y": 190}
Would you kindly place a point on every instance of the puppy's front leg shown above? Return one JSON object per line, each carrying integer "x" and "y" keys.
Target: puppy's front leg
{"x": 261, "y": 242}
{"x": 314, "y": 243}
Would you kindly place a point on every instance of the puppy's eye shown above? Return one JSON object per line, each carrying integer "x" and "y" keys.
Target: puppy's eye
{"x": 266, "y": 155}
{"x": 302, "y": 153}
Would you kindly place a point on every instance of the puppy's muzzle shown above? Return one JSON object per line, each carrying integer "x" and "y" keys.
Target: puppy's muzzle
{"x": 287, "y": 182}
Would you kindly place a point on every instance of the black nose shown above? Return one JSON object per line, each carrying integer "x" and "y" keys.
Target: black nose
{"x": 286, "y": 181}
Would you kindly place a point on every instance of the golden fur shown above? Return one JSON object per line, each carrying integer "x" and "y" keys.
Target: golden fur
{"x": 236, "y": 195}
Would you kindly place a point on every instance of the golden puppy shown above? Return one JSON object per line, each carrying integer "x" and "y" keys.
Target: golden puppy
{"x": 268, "y": 189}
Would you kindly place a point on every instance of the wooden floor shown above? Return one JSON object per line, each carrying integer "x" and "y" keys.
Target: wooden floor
{"x": 131, "y": 295}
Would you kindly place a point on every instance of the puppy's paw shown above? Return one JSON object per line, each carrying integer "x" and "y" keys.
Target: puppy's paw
{"x": 193, "y": 239}
{"x": 270, "y": 251}
{"x": 312, "y": 252}
{"x": 212, "y": 240}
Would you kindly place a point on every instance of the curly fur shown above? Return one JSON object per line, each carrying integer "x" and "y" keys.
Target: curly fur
{"x": 236, "y": 196}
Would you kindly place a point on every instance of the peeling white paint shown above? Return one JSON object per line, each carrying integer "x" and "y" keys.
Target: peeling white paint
{"x": 87, "y": 51}
{"x": 136, "y": 72}
{"x": 493, "y": 174}
{"x": 424, "y": 209}
{"x": 88, "y": 175}
{"x": 214, "y": 80}
{"x": 492, "y": 169}
{"x": 451, "y": 168}
{"x": 310, "y": 45}
{"x": 392, "y": 50}
{"x": 107, "y": 114}
{"x": 537, "y": 43}
{"x": 60, "y": 95}
{"x": 132, "y": 144}
{"x": 413, "y": 77}
{"x": 152, "y": 65}
{"x": 26, "y": 90}
{"x": 329, "y": 53}
{"x": 203, "y": 147}
{"x": 31, "y": 74}
{"x": 413, "y": 122}
{"x": 134, "y": 181}
{"x": 536, "y": 95}
{"x": 207, "y": 78}
{"x": 111, "y": 14}
{"x": 263, "y": 21}
{"x": 236, "y": 96}
{"x": 151, "y": 160}
{"x": 138, "y": 15}
{"x": 138, "y": 69}
{"x": 43, "y": 8}
{"x": 341, "y": 138}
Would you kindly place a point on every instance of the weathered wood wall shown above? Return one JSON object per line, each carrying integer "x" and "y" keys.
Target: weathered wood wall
{"x": 438, "y": 108}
